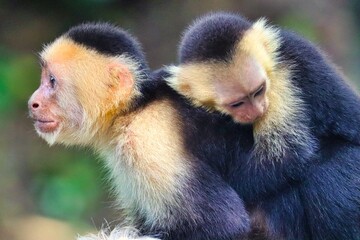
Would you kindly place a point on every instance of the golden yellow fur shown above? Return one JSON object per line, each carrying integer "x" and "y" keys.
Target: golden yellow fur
{"x": 78, "y": 63}
{"x": 143, "y": 148}
{"x": 150, "y": 161}
{"x": 77, "y": 69}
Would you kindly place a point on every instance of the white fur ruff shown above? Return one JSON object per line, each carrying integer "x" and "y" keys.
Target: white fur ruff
{"x": 117, "y": 234}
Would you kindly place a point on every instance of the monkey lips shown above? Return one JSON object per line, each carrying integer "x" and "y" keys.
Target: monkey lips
{"x": 45, "y": 125}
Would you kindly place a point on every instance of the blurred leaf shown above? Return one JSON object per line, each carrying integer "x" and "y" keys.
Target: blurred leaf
{"x": 21, "y": 79}
{"x": 70, "y": 193}
{"x": 5, "y": 96}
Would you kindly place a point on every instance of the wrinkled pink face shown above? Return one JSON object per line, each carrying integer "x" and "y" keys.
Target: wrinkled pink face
{"x": 43, "y": 105}
{"x": 242, "y": 91}
{"x": 244, "y": 106}
{"x": 54, "y": 107}
{"x": 79, "y": 92}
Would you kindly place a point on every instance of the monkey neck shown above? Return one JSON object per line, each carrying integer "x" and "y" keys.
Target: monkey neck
{"x": 284, "y": 127}
{"x": 113, "y": 121}
{"x": 113, "y": 124}
{"x": 145, "y": 156}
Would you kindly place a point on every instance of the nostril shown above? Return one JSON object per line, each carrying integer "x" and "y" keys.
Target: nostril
{"x": 35, "y": 105}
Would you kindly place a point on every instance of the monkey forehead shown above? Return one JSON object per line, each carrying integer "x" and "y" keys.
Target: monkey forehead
{"x": 76, "y": 60}
{"x": 238, "y": 82}
{"x": 108, "y": 39}
{"x": 64, "y": 50}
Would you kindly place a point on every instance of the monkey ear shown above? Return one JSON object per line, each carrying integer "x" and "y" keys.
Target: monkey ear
{"x": 177, "y": 81}
{"x": 122, "y": 75}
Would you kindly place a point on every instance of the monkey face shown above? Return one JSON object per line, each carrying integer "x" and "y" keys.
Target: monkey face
{"x": 81, "y": 92}
{"x": 238, "y": 89}
{"x": 53, "y": 106}
{"x": 42, "y": 105}
{"x": 241, "y": 90}
{"x": 245, "y": 106}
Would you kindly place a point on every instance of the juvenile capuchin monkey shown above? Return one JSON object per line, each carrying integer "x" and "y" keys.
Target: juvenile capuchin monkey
{"x": 96, "y": 91}
{"x": 302, "y": 180}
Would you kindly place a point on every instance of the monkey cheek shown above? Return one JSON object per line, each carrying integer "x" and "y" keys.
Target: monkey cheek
{"x": 265, "y": 106}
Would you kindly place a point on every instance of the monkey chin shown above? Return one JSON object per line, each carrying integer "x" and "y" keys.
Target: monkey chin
{"x": 48, "y": 130}
{"x": 247, "y": 120}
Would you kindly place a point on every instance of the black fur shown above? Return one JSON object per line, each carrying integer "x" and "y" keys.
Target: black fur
{"x": 211, "y": 139}
{"x": 210, "y": 208}
{"x": 108, "y": 39}
{"x": 212, "y": 37}
{"x": 334, "y": 106}
{"x": 315, "y": 192}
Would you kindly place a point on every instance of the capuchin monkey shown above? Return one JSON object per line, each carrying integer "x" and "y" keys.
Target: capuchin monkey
{"x": 96, "y": 90}
{"x": 302, "y": 179}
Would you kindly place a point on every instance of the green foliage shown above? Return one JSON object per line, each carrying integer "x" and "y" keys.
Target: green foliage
{"x": 69, "y": 192}
{"x": 301, "y": 25}
{"x": 5, "y": 96}
{"x": 18, "y": 79}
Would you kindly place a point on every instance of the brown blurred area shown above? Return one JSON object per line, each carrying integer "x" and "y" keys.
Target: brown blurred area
{"x": 55, "y": 193}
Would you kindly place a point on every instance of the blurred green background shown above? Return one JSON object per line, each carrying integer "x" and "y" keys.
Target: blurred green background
{"x": 55, "y": 193}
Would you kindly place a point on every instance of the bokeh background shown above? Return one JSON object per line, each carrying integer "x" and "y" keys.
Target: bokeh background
{"x": 55, "y": 193}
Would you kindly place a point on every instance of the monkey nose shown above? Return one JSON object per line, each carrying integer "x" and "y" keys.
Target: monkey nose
{"x": 259, "y": 109}
{"x": 32, "y": 105}
{"x": 35, "y": 105}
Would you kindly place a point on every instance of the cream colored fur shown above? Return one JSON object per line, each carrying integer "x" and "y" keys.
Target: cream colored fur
{"x": 148, "y": 167}
{"x": 143, "y": 150}
{"x": 261, "y": 42}
{"x": 148, "y": 164}
{"x": 116, "y": 234}
{"x": 77, "y": 68}
{"x": 282, "y": 116}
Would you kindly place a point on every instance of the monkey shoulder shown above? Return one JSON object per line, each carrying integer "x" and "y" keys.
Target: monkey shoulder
{"x": 333, "y": 105}
{"x": 168, "y": 180}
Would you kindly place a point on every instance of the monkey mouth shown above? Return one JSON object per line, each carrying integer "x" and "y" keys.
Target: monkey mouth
{"x": 46, "y": 126}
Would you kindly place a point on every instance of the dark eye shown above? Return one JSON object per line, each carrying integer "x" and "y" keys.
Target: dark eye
{"x": 236, "y": 104}
{"x": 52, "y": 80}
{"x": 259, "y": 91}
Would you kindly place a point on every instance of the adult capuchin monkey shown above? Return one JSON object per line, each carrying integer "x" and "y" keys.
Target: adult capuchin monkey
{"x": 96, "y": 91}
{"x": 303, "y": 179}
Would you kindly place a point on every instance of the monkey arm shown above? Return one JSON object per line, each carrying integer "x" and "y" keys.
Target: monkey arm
{"x": 331, "y": 193}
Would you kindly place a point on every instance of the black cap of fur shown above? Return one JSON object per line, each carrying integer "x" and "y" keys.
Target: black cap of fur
{"x": 108, "y": 39}
{"x": 212, "y": 37}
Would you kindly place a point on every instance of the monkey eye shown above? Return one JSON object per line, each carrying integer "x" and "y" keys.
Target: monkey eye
{"x": 259, "y": 91}
{"x": 52, "y": 80}
{"x": 236, "y": 104}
